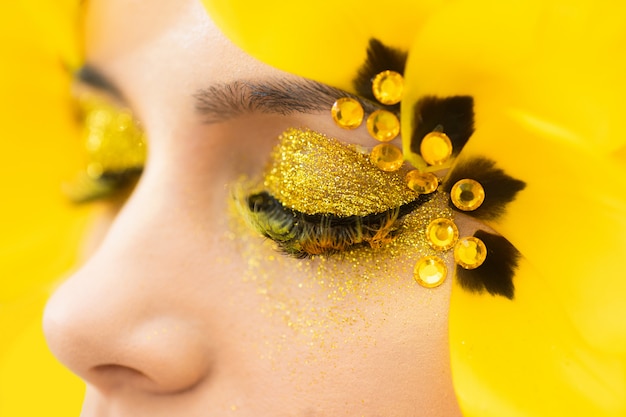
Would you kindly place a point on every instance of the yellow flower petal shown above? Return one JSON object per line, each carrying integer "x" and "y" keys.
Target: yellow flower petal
{"x": 547, "y": 80}
{"x": 323, "y": 40}
{"x": 40, "y": 231}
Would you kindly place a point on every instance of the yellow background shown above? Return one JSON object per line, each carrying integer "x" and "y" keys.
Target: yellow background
{"x": 39, "y": 230}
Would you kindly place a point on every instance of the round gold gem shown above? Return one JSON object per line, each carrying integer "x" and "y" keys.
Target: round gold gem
{"x": 430, "y": 271}
{"x": 422, "y": 182}
{"x": 383, "y": 125}
{"x": 347, "y": 113}
{"x": 467, "y": 194}
{"x": 442, "y": 234}
{"x": 436, "y": 148}
{"x": 387, "y": 87}
{"x": 470, "y": 252}
{"x": 387, "y": 157}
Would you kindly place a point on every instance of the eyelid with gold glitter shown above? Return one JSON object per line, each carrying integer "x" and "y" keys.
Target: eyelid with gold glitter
{"x": 321, "y": 196}
{"x": 316, "y": 174}
{"x": 114, "y": 146}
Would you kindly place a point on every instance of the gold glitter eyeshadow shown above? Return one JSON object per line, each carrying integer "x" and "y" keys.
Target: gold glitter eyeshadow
{"x": 314, "y": 174}
{"x": 115, "y": 150}
{"x": 113, "y": 139}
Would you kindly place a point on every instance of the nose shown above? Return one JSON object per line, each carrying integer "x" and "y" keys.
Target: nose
{"x": 119, "y": 323}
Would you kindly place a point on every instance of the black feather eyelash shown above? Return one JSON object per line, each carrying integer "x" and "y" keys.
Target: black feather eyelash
{"x": 380, "y": 57}
{"x": 496, "y": 274}
{"x": 500, "y": 188}
{"x": 454, "y": 115}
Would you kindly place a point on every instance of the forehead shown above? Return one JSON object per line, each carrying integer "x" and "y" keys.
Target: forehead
{"x": 160, "y": 52}
{"x": 118, "y": 28}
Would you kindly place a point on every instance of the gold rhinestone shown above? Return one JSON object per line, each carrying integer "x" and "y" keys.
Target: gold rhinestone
{"x": 383, "y": 125}
{"x": 430, "y": 271}
{"x": 387, "y": 87}
{"x": 387, "y": 157}
{"x": 436, "y": 148}
{"x": 422, "y": 182}
{"x": 467, "y": 194}
{"x": 470, "y": 252}
{"x": 442, "y": 234}
{"x": 347, "y": 113}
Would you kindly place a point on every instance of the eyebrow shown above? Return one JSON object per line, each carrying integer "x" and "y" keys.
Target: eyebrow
{"x": 225, "y": 101}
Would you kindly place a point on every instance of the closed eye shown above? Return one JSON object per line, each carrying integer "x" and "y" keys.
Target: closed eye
{"x": 302, "y": 235}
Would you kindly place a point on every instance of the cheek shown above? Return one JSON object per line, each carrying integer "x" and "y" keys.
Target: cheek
{"x": 356, "y": 321}
{"x": 181, "y": 275}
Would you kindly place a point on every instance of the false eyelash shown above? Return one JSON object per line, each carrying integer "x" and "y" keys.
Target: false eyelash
{"x": 496, "y": 274}
{"x": 85, "y": 189}
{"x": 303, "y": 235}
{"x": 500, "y": 188}
{"x": 454, "y": 115}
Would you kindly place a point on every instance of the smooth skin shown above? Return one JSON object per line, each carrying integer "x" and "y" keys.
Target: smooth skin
{"x": 170, "y": 318}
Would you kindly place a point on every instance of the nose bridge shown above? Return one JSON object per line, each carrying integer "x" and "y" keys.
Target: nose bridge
{"x": 117, "y": 322}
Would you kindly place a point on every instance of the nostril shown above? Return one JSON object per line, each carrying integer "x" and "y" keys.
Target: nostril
{"x": 112, "y": 377}
{"x": 125, "y": 343}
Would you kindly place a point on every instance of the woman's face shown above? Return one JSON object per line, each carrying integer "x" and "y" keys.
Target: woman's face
{"x": 183, "y": 310}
